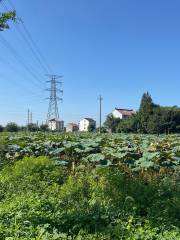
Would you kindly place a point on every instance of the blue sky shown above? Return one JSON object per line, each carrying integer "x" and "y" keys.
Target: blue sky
{"x": 117, "y": 48}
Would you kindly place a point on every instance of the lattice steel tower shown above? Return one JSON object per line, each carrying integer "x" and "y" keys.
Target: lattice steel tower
{"x": 56, "y": 86}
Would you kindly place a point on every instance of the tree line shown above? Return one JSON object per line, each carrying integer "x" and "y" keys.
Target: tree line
{"x": 149, "y": 119}
{"x": 14, "y": 127}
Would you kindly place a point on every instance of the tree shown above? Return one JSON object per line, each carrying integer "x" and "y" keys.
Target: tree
{"x": 5, "y": 18}
{"x": 12, "y": 127}
{"x": 171, "y": 119}
{"x": 111, "y": 123}
{"x": 152, "y": 119}
{"x": 129, "y": 125}
{"x": 91, "y": 127}
{"x": 22, "y": 128}
{"x": 145, "y": 111}
{"x": 103, "y": 130}
{"x": 156, "y": 122}
{"x": 33, "y": 127}
{"x": 44, "y": 127}
{"x": 1, "y": 128}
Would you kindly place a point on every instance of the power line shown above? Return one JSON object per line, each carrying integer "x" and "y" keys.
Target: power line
{"x": 19, "y": 58}
{"x": 35, "y": 46}
{"x": 10, "y": 66}
{"x": 2, "y": 76}
{"x": 31, "y": 48}
{"x": 30, "y": 42}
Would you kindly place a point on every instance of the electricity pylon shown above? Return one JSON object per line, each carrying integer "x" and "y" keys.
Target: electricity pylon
{"x": 53, "y": 112}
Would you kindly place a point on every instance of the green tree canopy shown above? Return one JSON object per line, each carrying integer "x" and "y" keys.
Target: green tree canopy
{"x": 12, "y": 127}
{"x": 33, "y": 127}
{"x": 5, "y": 18}
{"x": 146, "y": 111}
{"x": 91, "y": 127}
{"x": 111, "y": 123}
{"x": 1, "y": 128}
{"x": 151, "y": 118}
{"x": 44, "y": 127}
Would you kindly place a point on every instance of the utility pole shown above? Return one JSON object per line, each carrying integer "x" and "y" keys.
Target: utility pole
{"x": 31, "y": 121}
{"x": 53, "y": 112}
{"x": 28, "y": 120}
{"x": 100, "y": 112}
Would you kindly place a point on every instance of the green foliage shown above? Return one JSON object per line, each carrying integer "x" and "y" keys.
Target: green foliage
{"x": 5, "y": 18}
{"x": 33, "y": 127}
{"x": 152, "y": 119}
{"x": 43, "y": 128}
{"x": 120, "y": 186}
{"x": 40, "y": 200}
{"x": 91, "y": 127}
{"x": 130, "y": 125}
{"x": 111, "y": 123}
{"x": 103, "y": 130}
{"x": 1, "y": 128}
{"x": 12, "y": 127}
{"x": 76, "y": 150}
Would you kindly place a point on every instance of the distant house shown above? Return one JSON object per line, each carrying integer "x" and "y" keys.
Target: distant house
{"x": 122, "y": 113}
{"x": 85, "y": 123}
{"x": 72, "y": 127}
{"x": 55, "y": 125}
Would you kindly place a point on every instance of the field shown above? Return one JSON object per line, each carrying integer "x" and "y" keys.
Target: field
{"x": 89, "y": 186}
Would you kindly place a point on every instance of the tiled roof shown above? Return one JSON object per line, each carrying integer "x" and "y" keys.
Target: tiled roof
{"x": 52, "y": 120}
{"x": 90, "y": 119}
{"x": 125, "y": 112}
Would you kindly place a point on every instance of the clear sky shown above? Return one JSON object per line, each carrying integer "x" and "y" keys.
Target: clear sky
{"x": 117, "y": 48}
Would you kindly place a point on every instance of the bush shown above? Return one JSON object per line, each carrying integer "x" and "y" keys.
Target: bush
{"x": 41, "y": 200}
{"x": 11, "y": 127}
{"x": 1, "y": 128}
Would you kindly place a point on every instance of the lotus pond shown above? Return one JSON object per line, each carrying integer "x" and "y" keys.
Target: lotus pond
{"x": 89, "y": 186}
{"x": 135, "y": 152}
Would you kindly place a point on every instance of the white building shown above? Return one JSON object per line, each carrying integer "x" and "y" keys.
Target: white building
{"x": 55, "y": 125}
{"x": 122, "y": 113}
{"x": 85, "y": 123}
{"x": 72, "y": 127}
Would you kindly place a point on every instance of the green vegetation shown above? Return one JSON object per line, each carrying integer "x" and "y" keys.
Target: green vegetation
{"x": 5, "y": 18}
{"x": 11, "y": 127}
{"x": 89, "y": 186}
{"x": 1, "y": 128}
{"x": 150, "y": 119}
{"x": 32, "y": 127}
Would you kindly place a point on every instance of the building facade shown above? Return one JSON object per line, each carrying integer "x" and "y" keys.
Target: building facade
{"x": 122, "y": 113}
{"x": 55, "y": 125}
{"x": 85, "y": 123}
{"x": 72, "y": 127}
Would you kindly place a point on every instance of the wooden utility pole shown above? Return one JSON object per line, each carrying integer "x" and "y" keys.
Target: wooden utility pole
{"x": 100, "y": 113}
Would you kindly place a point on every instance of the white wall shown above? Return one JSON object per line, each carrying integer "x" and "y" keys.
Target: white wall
{"x": 70, "y": 128}
{"x": 117, "y": 114}
{"x": 83, "y": 125}
{"x": 56, "y": 125}
{"x": 52, "y": 125}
